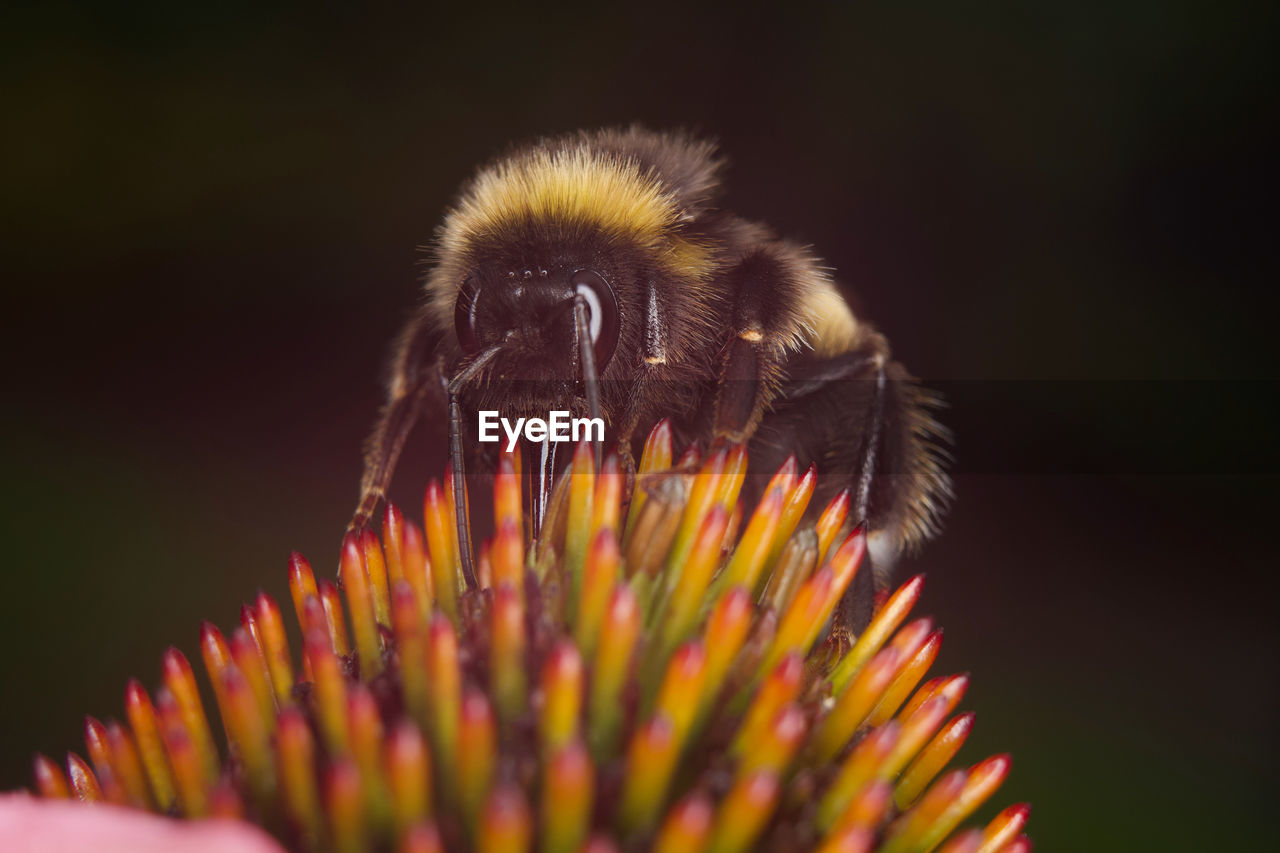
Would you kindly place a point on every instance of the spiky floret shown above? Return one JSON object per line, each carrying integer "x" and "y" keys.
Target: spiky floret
{"x": 660, "y": 682}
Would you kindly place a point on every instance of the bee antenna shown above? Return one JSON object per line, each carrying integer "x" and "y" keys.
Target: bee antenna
{"x": 457, "y": 462}
{"x": 586, "y": 350}
{"x": 469, "y": 372}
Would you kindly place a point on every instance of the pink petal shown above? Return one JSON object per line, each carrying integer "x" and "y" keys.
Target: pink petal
{"x": 30, "y": 825}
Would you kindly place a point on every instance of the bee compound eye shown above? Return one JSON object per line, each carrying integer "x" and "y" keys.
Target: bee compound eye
{"x": 464, "y": 315}
{"x": 602, "y": 313}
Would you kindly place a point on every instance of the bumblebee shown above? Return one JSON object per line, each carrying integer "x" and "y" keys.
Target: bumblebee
{"x": 594, "y": 272}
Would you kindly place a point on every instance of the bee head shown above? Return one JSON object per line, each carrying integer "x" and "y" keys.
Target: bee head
{"x": 599, "y": 225}
{"x": 530, "y": 314}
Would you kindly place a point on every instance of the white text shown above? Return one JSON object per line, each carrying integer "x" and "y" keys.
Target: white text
{"x": 557, "y": 427}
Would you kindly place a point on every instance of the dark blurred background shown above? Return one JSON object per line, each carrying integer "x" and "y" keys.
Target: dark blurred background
{"x": 1061, "y": 214}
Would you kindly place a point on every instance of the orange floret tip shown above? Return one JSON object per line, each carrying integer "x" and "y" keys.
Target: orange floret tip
{"x": 778, "y": 743}
{"x": 248, "y": 731}
{"x": 375, "y": 567}
{"x": 968, "y": 842}
{"x": 423, "y": 838}
{"x": 408, "y": 772}
{"x": 84, "y": 784}
{"x": 651, "y": 759}
{"x": 329, "y": 692}
{"x": 331, "y": 607}
{"x": 51, "y": 782}
{"x": 859, "y": 770}
{"x": 417, "y": 569}
{"x": 96, "y": 743}
{"x": 952, "y": 686}
{"x": 393, "y": 543}
{"x": 345, "y": 807}
{"x": 744, "y": 811}
{"x": 854, "y": 839}
{"x": 600, "y": 844}
{"x": 296, "y": 769}
{"x": 302, "y": 582}
{"x": 678, "y": 697}
{"x": 128, "y": 765}
{"x": 214, "y": 649}
{"x": 275, "y": 646}
{"x": 785, "y": 477}
{"x": 507, "y": 502}
{"x": 507, "y": 649}
{"x": 183, "y": 759}
{"x": 932, "y": 759}
{"x": 726, "y": 631}
{"x": 1005, "y": 828}
{"x": 567, "y": 799}
{"x": 146, "y": 730}
{"x": 602, "y": 572}
{"x": 692, "y": 456}
{"x": 907, "y": 678}
{"x": 476, "y": 757}
{"x": 562, "y": 678}
{"x": 779, "y": 690}
{"x": 830, "y": 522}
{"x": 611, "y": 668}
{"x": 361, "y": 606}
{"x": 439, "y": 527}
{"x": 606, "y": 504}
{"x": 506, "y": 826}
{"x": 507, "y": 556}
{"x": 753, "y": 549}
{"x": 657, "y": 452}
{"x": 249, "y": 659}
{"x": 225, "y": 802}
{"x": 886, "y": 620}
{"x": 687, "y": 826}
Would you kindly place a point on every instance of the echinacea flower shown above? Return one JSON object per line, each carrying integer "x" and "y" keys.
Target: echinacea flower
{"x": 654, "y": 681}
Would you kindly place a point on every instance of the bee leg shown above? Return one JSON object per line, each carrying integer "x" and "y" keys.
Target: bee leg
{"x": 382, "y": 450}
{"x": 749, "y": 383}
{"x": 853, "y": 613}
{"x": 742, "y": 392}
{"x": 417, "y": 382}
{"x": 653, "y": 353}
{"x": 867, "y": 424}
{"x": 459, "y": 474}
{"x": 457, "y": 461}
{"x": 761, "y": 286}
{"x": 814, "y": 393}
